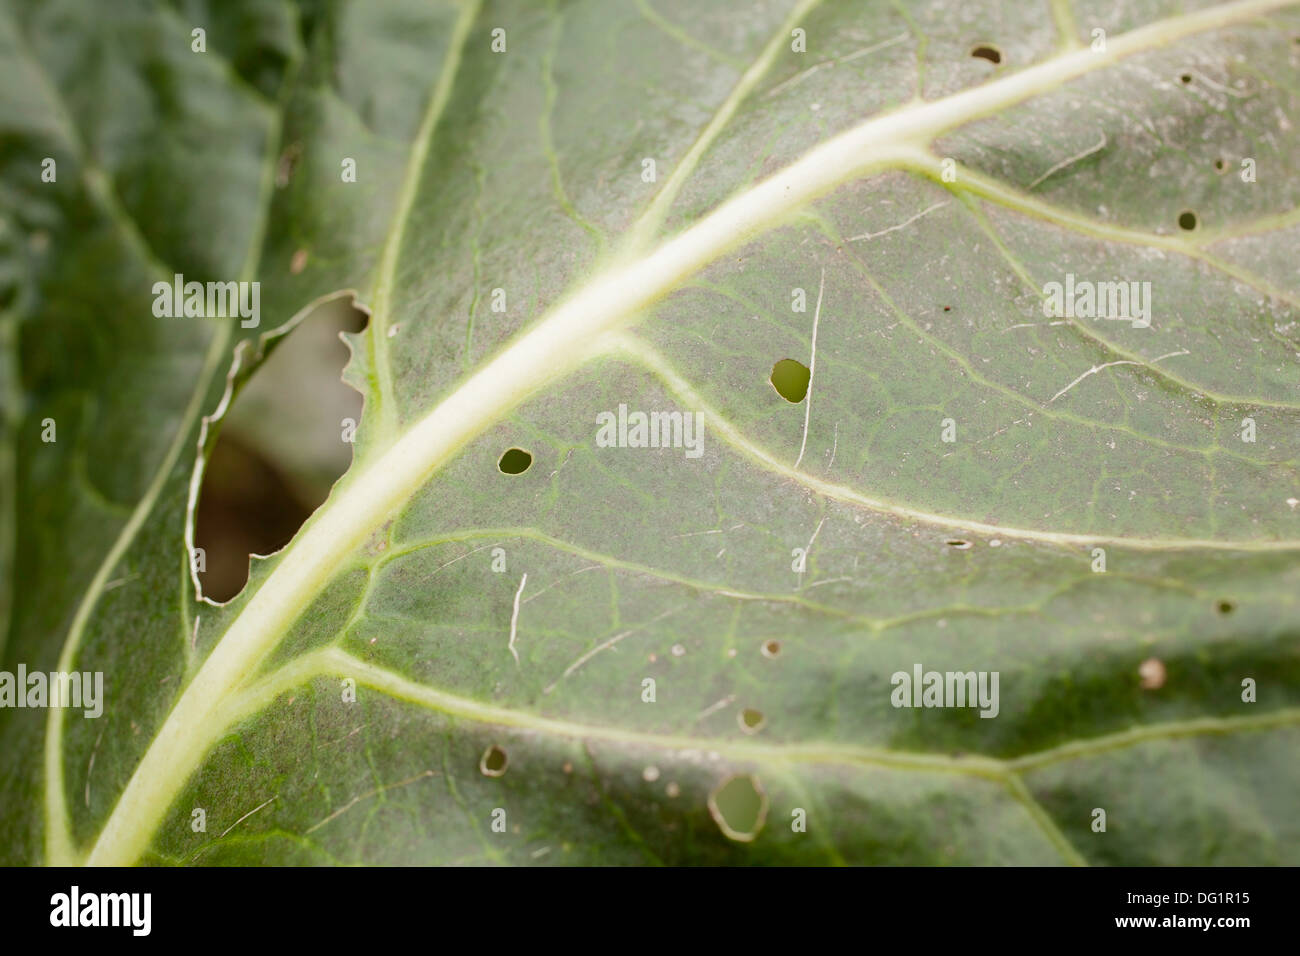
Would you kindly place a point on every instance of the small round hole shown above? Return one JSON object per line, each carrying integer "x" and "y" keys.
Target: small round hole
{"x": 1186, "y": 78}
{"x": 986, "y": 51}
{"x": 1218, "y": 164}
{"x": 515, "y": 461}
{"x": 493, "y": 762}
{"x": 751, "y": 721}
{"x": 961, "y": 544}
{"x": 1187, "y": 220}
{"x": 1225, "y": 607}
{"x": 790, "y": 379}
{"x": 1151, "y": 674}
{"x": 771, "y": 648}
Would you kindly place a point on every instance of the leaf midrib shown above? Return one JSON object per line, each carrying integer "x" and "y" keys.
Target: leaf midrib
{"x": 569, "y": 335}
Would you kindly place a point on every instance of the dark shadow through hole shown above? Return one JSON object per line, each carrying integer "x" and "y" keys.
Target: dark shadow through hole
{"x": 1187, "y": 220}
{"x": 279, "y": 450}
{"x": 515, "y": 461}
{"x": 790, "y": 379}
{"x": 1225, "y": 607}
{"x": 494, "y": 761}
{"x": 986, "y": 51}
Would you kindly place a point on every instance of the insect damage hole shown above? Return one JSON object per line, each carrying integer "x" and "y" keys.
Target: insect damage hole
{"x": 279, "y": 448}
{"x": 751, "y": 721}
{"x": 771, "y": 648}
{"x": 515, "y": 461}
{"x": 987, "y": 51}
{"x": 738, "y": 806}
{"x": 493, "y": 762}
{"x": 1225, "y": 607}
{"x": 790, "y": 379}
{"x": 959, "y": 544}
{"x": 1219, "y": 165}
{"x": 1152, "y": 674}
{"x": 1187, "y": 220}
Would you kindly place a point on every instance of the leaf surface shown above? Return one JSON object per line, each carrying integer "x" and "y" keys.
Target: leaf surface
{"x": 508, "y": 686}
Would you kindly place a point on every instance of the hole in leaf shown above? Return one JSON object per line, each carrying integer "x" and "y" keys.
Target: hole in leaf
{"x": 751, "y": 721}
{"x": 515, "y": 461}
{"x": 494, "y": 762}
{"x": 771, "y": 648}
{"x": 1187, "y": 220}
{"x": 1225, "y": 607}
{"x": 279, "y": 449}
{"x": 961, "y": 544}
{"x": 738, "y": 806}
{"x": 986, "y": 51}
{"x": 790, "y": 379}
{"x": 1186, "y": 78}
{"x": 1218, "y": 164}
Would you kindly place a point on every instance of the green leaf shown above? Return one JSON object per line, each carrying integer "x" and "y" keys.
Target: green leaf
{"x": 623, "y": 654}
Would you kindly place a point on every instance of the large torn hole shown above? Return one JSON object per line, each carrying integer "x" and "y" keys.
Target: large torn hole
{"x": 739, "y": 807}
{"x": 280, "y": 447}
